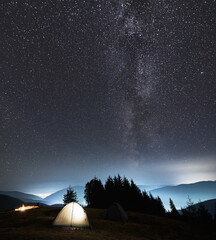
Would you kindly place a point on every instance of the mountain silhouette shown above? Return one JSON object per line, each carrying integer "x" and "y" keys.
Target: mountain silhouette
{"x": 199, "y": 191}
{"x": 26, "y": 197}
{"x": 57, "y": 197}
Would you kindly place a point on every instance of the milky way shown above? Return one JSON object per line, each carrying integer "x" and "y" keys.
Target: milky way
{"x": 109, "y": 85}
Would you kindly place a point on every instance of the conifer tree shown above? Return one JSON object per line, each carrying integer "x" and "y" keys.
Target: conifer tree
{"x": 204, "y": 218}
{"x": 94, "y": 193}
{"x": 174, "y": 213}
{"x": 70, "y": 196}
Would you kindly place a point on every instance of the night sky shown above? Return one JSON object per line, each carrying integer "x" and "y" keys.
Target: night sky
{"x": 96, "y": 88}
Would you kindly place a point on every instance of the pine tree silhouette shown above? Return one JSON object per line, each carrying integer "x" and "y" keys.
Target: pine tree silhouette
{"x": 173, "y": 213}
{"x": 70, "y": 196}
{"x": 94, "y": 193}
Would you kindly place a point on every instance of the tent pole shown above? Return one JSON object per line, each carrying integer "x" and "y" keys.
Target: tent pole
{"x": 72, "y": 213}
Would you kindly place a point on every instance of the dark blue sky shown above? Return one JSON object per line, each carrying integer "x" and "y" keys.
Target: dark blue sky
{"x": 96, "y": 88}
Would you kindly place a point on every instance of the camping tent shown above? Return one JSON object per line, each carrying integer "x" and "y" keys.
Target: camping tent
{"x": 115, "y": 212}
{"x": 73, "y": 216}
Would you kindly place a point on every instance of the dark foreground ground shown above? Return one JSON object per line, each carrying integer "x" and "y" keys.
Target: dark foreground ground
{"x": 37, "y": 224}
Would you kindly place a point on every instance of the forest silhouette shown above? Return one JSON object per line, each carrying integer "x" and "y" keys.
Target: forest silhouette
{"x": 131, "y": 198}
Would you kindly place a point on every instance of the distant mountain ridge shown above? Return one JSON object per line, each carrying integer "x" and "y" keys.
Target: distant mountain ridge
{"x": 148, "y": 187}
{"x": 26, "y": 197}
{"x": 197, "y": 186}
{"x": 199, "y": 191}
{"x": 57, "y": 197}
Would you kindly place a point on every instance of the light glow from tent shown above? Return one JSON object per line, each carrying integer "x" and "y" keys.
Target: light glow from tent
{"x": 24, "y": 208}
{"x": 78, "y": 215}
{"x": 73, "y": 216}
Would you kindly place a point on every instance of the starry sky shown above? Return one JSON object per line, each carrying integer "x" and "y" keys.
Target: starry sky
{"x": 96, "y": 88}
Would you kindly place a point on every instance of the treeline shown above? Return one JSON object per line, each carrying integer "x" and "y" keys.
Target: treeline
{"x": 126, "y": 193}
{"x": 197, "y": 214}
{"x": 123, "y": 191}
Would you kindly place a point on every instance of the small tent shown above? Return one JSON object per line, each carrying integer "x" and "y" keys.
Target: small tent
{"x": 72, "y": 216}
{"x": 115, "y": 212}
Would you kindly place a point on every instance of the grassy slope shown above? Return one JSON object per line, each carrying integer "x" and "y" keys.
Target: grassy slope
{"x": 37, "y": 224}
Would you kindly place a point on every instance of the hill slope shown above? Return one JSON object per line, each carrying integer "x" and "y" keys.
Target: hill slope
{"x": 37, "y": 224}
{"x": 210, "y": 206}
{"x": 7, "y": 202}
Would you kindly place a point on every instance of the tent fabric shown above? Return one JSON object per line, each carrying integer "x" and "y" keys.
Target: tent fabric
{"x": 115, "y": 212}
{"x": 73, "y": 216}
